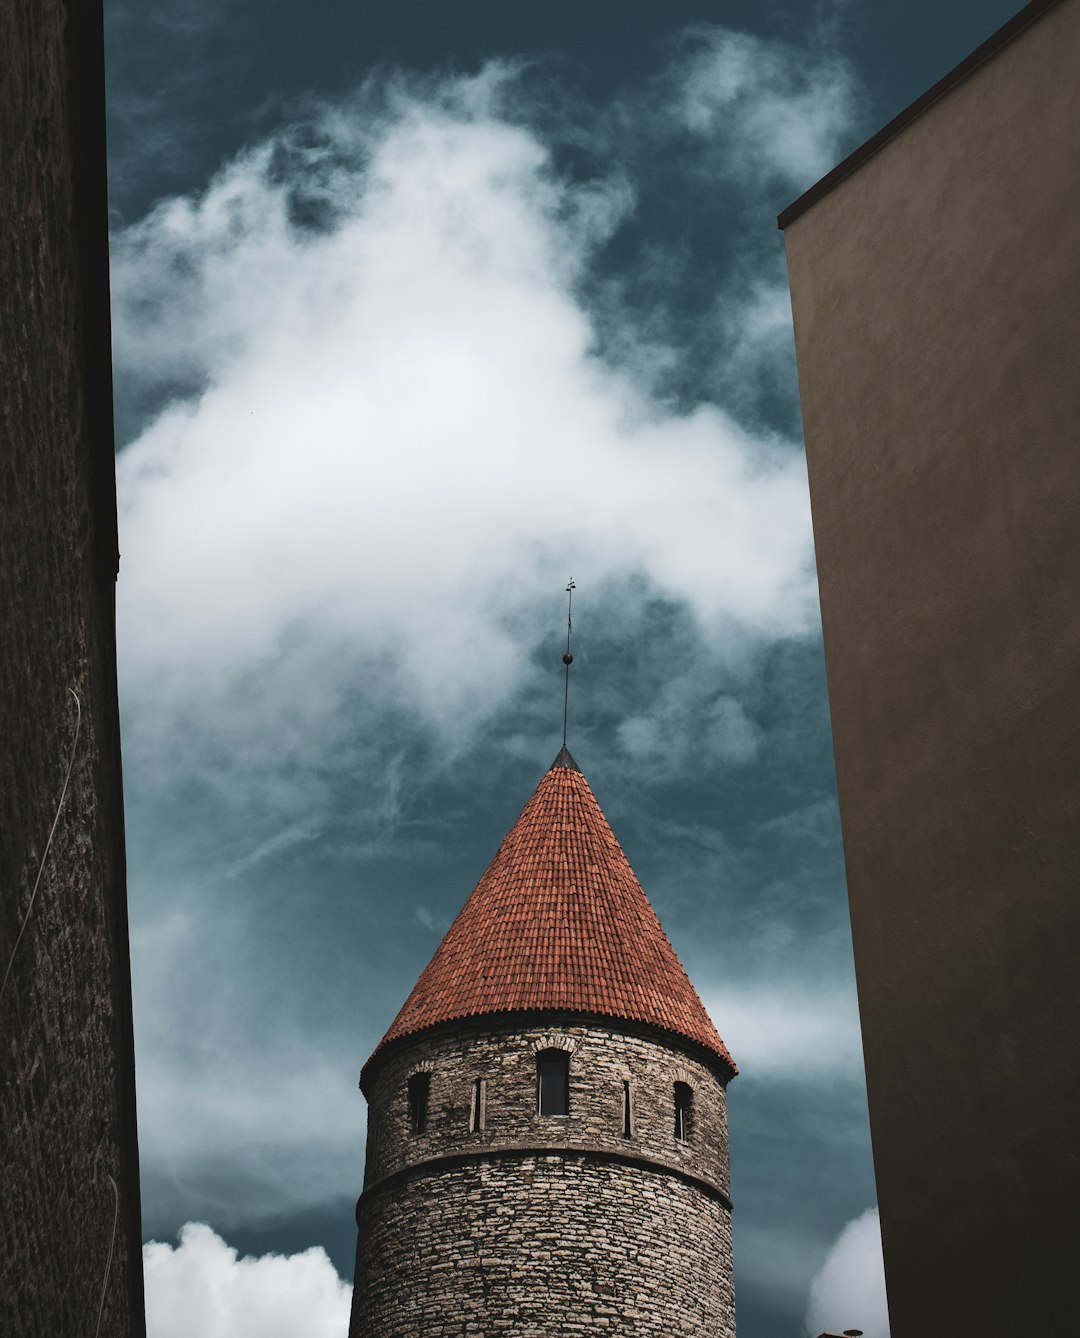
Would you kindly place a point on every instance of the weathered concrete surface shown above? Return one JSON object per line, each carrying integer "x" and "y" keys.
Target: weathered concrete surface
{"x": 67, "y": 1116}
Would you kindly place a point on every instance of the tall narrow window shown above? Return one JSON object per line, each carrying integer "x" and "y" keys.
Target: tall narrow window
{"x": 684, "y": 1105}
{"x": 627, "y": 1112}
{"x": 553, "y": 1082}
{"x": 419, "y": 1088}
{"x": 478, "y": 1114}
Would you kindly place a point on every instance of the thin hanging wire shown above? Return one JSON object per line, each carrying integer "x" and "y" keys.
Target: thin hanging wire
{"x": 567, "y": 659}
{"x": 112, "y": 1246}
{"x": 48, "y": 843}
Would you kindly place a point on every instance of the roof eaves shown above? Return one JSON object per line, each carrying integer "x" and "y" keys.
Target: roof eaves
{"x": 720, "y": 1057}
{"x": 1004, "y": 35}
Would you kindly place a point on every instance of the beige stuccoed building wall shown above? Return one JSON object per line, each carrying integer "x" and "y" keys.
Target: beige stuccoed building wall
{"x": 935, "y": 281}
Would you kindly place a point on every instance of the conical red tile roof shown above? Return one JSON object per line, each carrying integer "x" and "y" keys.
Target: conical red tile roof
{"x": 559, "y": 921}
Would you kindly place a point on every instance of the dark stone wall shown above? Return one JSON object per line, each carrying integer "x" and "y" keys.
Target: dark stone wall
{"x": 67, "y": 1115}
{"x": 544, "y": 1224}
{"x": 937, "y": 324}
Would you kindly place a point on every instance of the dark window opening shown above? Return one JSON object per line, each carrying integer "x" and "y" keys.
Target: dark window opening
{"x": 419, "y": 1087}
{"x": 478, "y": 1115}
{"x": 684, "y": 1103}
{"x": 627, "y": 1112}
{"x": 553, "y": 1082}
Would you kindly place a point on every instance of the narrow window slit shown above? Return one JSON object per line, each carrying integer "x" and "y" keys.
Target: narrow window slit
{"x": 419, "y": 1089}
{"x": 684, "y": 1104}
{"x": 478, "y": 1113}
{"x": 627, "y": 1112}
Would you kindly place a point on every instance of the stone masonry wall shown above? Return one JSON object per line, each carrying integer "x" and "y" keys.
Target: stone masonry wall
{"x": 544, "y": 1225}
{"x": 602, "y": 1059}
{"x": 543, "y": 1247}
{"x": 66, "y": 1066}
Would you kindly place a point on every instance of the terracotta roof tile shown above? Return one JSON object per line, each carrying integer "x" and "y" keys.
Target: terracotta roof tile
{"x": 559, "y": 921}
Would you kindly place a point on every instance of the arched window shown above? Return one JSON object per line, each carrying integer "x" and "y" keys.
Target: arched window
{"x": 419, "y": 1088}
{"x": 553, "y": 1082}
{"x": 684, "y": 1108}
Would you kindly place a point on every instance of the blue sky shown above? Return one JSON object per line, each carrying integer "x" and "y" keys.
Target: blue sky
{"x": 420, "y": 310}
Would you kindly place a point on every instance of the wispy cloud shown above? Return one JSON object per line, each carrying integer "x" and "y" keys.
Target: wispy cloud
{"x": 437, "y": 925}
{"x": 787, "y": 1031}
{"x": 752, "y": 122}
{"x": 765, "y": 108}
{"x": 848, "y": 1292}
{"x": 273, "y": 845}
{"x": 687, "y": 718}
{"x": 251, "y": 1107}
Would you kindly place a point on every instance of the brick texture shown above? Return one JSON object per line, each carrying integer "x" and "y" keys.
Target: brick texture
{"x": 545, "y": 1225}
{"x": 67, "y": 1089}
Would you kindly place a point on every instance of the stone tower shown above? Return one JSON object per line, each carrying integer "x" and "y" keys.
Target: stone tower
{"x": 547, "y": 1133}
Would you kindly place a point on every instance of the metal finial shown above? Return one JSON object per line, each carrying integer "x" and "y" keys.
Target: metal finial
{"x": 567, "y": 659}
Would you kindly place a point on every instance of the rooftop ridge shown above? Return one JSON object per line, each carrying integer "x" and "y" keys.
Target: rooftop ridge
{"x": 565, "y": 759}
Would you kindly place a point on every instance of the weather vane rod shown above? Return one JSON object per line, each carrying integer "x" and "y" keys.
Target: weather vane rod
{"x": 567, "y": 659}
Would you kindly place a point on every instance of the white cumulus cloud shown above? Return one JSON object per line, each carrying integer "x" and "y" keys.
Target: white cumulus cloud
{"x": 202, "y": 1289}
{"x": 848, "y": 1292}
{"x": 361, "y": 483}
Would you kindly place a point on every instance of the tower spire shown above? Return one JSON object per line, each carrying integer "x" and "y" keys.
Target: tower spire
{"x": 567, "y": 659}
